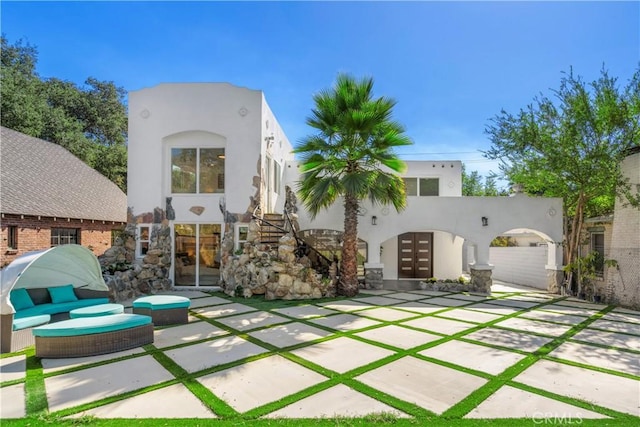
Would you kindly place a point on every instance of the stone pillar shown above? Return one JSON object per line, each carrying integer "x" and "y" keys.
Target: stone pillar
{"x": 555, "y": 278}
{"x": 373, "y": 275}
{"x": 481, "y": 278}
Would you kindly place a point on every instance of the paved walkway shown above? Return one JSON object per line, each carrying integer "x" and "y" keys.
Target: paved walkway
{"x": 519, "y": 353}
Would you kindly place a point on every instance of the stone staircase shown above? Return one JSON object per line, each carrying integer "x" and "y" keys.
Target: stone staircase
{"x": 272, "y": 229}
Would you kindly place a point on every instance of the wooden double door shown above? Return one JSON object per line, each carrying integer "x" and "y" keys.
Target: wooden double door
{"x": 415, "y": 256}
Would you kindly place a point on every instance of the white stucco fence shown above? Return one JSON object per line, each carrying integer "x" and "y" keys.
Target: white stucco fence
{"x": 520, "y": 265}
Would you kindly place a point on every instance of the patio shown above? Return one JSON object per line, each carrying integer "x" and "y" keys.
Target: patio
{"x": 520, "y": 353}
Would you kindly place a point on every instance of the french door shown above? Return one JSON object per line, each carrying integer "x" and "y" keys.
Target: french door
{"x": 196, "y": 254}
{"x": 415, "y": 256}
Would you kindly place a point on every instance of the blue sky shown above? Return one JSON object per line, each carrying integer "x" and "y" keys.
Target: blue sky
{"x": 450, "y": 66}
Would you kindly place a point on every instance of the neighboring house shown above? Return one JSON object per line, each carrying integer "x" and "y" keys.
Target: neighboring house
{"x": 204, "y": 156}
{"x": 49, "y": 197}
{"x": 625, "y": 241}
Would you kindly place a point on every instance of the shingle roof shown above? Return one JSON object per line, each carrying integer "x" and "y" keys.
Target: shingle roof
{"x": 41, "y": 178}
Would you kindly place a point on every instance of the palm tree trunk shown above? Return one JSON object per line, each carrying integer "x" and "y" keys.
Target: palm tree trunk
{"x": 348, "y": 285}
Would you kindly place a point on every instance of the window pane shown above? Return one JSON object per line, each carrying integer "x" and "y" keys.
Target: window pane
{"x": 411, "y": 186}
{"x": 276, "y": 177}
{"x": 183, "y": 170}
{"x": 185, "y": 254}
{"x": 212, "y": 170}
{"x": 429, "y": 186}
{"x": 209, "y": 268}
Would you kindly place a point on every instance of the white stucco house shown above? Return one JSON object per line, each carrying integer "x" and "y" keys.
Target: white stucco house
{"x": 204, "y": 156}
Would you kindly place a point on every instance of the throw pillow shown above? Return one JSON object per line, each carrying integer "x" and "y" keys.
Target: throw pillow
{"x": 62, "y": 294}
{"x": 20, "y": 299}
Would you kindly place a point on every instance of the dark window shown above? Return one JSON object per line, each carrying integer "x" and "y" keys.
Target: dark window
{"x": 12, "y": 237}
{"x": 597, "y": 245}
{"x": 429, "y": 186}
{"x": 65, "y": 236}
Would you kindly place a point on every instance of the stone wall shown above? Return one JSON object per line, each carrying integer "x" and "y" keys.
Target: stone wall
{"x": 276, "y": 274}
{"x": 128, "y": 277}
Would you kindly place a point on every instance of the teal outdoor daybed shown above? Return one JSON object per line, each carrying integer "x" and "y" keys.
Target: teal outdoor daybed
{"x": 44, "y": 286}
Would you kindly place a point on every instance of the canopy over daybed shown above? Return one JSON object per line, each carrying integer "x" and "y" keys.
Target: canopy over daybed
{"x": 56, "y": 266}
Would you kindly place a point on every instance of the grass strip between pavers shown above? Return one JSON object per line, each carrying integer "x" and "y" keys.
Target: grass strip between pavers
{"x": 37, "y": 402}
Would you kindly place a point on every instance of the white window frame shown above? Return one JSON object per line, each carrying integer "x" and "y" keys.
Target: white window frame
{"x": 140, "y": 240}
{"x": 236, "y": 236}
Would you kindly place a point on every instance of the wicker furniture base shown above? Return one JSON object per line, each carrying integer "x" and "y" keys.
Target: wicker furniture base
{"x": 93, "y": 344}
{"x": 10, "y": 340}
{"x": 169, "y": 316}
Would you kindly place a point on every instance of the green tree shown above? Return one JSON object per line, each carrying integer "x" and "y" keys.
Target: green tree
{"x": 571, "y": 147}
{"x": 474, "y": 185}
{"x": 350, "y": 157}
{"x": 89, "y": 121}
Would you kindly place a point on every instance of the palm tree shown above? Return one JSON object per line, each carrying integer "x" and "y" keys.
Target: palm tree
{"x": 351, "y": 156}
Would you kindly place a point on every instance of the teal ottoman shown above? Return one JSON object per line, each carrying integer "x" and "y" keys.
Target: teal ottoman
{"x": 90, "y": 336}
{"x": 97, "y": 310}
{"x": 163, "y": 309}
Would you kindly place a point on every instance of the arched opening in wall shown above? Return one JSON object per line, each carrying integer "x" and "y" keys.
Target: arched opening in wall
{"x": 328, "y": 243}
{"x": 422, "y": 254}
{"x": 520, "y": 256}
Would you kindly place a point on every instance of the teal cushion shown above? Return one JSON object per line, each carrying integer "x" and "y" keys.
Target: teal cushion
{"x": 20, "y": 299}
{"x": 59, "y": 308}
{"x": 162, "y": 302}
{"x": 28, "y": 322}
{"x": 62, "y": 294}
{"x": 91, "y": 325}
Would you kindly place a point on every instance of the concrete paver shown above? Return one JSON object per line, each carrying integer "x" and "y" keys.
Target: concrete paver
{"x": 408, "y": 296}
{"x": 12, "y": 398}
{"x": 13, "y": 368}
{"x": 493, "y": 308}
{"x": 205, "y": 355}
{"x": 551, "y": 316}
{"x": 345, "y": 305}
{"x": 174, "y": 401}
{"x": 612, "y": 339}
{"x": 614, "y": 326}
{"x": 305, "y": 311}
{"x": 433, "y": 387}
{"x": 398, "y": 336}
{"x": 446, "y": 302}
{"x": 607, "y": 358}
{"x": 611, "y": 391}
{"x": 252, "y": 384}
{"x": 54, "y": 365}
{"x": 344, "y": 322}
{"x": 224, "y": 310}
{"x": 92, "y": 384}
{"x": 184, "y": 334}
{"x": 289, "y": 334}
{"x": 205, "y": 302}
{"x": 469, "y": 315}
{"x": 379, "y": 300}
{"x": 436, "y": 324}
{"x": 474, "y": 356}
{"x": 622, "y": 317}
{"x": 565, "y": 309}
{"x": 526, "y": 325}
{"x": 511, "y": 402}
{"x": 509, "y": 339}
{"x": 385, "y": 313}
{"x": 419, "y": 307}
{"x": 248, "y": 321}
{"x": 342, "y": 354}
{"x": 337, "y": 401}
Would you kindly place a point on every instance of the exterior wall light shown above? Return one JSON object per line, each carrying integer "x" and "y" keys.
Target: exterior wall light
{"x": 374, "y": 220}
{"x": 485, "y": 221}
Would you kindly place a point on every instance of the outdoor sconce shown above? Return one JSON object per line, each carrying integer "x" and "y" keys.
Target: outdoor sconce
{"x": 485, "y": 221}
{"x": 374, "y": 220}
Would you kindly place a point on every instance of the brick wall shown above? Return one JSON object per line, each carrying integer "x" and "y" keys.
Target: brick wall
{"x": 34, "y": 233}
